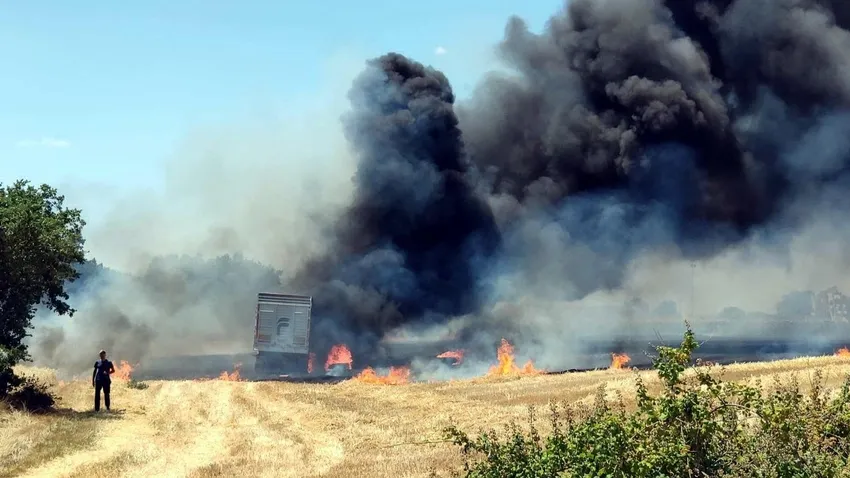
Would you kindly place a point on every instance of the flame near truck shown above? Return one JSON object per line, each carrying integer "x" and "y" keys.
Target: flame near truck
{"x": 282, "y": 333}
{"x": 283, "y": 322}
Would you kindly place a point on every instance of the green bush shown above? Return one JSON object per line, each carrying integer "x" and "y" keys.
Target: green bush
{"x": 31, "y": 395}
{"x": 697, "y": 426}
{"x": 136, "y": 385}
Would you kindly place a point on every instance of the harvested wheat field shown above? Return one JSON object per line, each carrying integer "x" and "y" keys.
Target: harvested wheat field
{"x": 352, "y": 429}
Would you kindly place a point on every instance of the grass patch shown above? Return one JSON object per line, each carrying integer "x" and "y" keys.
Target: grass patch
{"x": 217, "y": 428}
{"x": 113, "y": 465}
{"x": 32, "y": 440}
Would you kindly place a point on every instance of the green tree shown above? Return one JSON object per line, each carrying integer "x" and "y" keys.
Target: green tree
{"x": 41, "y": 244}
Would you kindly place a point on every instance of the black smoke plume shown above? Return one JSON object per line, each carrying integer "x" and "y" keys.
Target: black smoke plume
{"x": 633, "y": 125}
{"x": 607, "y": 83}
{"x": 413, "y": 244}
{"x": 626, "y": 127}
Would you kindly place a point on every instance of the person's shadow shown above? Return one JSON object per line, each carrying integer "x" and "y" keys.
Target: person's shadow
{"x": 70, "y": 413}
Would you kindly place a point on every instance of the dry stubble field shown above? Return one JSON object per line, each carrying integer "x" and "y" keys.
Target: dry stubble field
{"x": 220, "y": 428}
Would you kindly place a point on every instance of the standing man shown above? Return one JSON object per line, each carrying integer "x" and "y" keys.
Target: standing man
{"x": 100, "y": 380}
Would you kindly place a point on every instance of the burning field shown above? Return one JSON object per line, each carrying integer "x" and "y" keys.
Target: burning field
{"x": 636, "y": 158}
{"x": 340, "y": 365}
{"x": 226, "y": 426}
{"x": 649, "y": 155}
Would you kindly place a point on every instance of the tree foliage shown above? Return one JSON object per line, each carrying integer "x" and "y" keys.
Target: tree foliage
{"x": 41, "y": 244}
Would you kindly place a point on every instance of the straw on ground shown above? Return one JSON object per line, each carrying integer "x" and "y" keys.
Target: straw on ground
{"x": 219, "y": 428}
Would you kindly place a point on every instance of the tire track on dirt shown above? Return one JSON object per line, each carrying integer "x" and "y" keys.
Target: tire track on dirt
{"x": 274, "y": 429}
{"x": 188, "y": 425}
{"x": 177, "y": 427}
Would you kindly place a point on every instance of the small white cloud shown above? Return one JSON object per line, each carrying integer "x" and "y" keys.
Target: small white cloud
{"x": 45, "y": 142}
{"x": 440, "y": 51}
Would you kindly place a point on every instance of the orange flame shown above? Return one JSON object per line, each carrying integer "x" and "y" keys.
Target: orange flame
{"x": 453, "y": 354}
{"x": 233, "y": 376}
{"x": 339, "y": 354}
{"x": 124, "y": 371}
{"x": 842, "y": 352}
{"x": 311, "y": 359}
{"x": 396, "y": 376}
{"x": 507, "y": 364}
{"x": 619, "y": 361}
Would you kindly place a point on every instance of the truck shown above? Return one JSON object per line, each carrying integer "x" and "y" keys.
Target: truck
{"x": 282, "y": 333}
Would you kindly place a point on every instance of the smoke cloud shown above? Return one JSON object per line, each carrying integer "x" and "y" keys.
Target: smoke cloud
{"x": 412, "y": 245}
{"x": 264, "y": 188}
{"x": 634, "y": 137}
{"x": 633, "y": 152}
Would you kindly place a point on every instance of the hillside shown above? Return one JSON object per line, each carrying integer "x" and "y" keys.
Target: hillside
{"x": 354, "y": 429}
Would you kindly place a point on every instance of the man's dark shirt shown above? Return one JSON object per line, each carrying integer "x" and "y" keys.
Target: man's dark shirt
{"x": 101, "y": 370}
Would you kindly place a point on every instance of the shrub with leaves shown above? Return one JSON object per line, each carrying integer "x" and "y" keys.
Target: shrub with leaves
{"x": 136, "y": 385}
{"x": 29, "y": 394}
{"x": 695, "y": 426}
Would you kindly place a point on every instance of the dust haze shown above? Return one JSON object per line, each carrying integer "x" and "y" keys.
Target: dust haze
{"x": 635, "y": 160}
{"x": 240, "y": 207}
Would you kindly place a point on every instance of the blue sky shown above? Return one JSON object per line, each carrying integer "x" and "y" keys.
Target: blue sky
{"x": 102, "y": 92}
